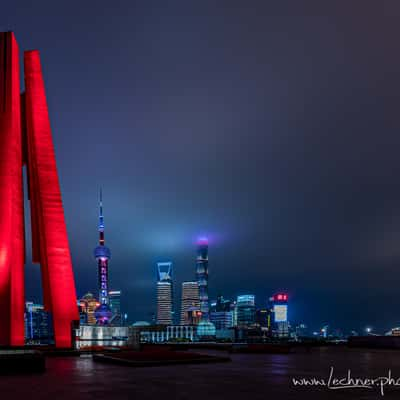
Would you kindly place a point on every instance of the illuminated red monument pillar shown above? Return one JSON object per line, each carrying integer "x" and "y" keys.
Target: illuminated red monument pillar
{"x": 25, "y": 138}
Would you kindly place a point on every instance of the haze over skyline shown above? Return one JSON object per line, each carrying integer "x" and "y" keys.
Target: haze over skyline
{"x": 272, "y": 130}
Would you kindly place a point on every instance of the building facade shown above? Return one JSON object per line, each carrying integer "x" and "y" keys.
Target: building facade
{"x": 222, "y": 319}
{"x": 38, "y": 324}
{"x": 87, "y": 307}
{"x": 172, "y": 333}
{"x": 88, "y": 336}
{"x": 115, "y": 306}
{"x": 190, "y": 302}
{"x": 202, "y": 276}
{"x": 164, "y": 293}
{"x": 222, "y": 304}
{"x": 279, "y": 306}
{"x": 245, "y": 310}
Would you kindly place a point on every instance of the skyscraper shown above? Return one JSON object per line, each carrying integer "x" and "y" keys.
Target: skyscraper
{"x": 190, "y": 301}
{"x": 102, "y": 254}
{"x": 25, "y": 139}
{"x": 245, "y": 310}
{"x": 164, "y": 293}
{"x": 164, "y": 271}
{"x": 115, "y": 306}
{"x": 221, "y": 313}
{"x": 222, "y": 319}
{"x": 222, "y": 304}
{"x": 38, "y": 324}
{"x": 279, "y": 303}
{"x": 202, "y": 276}
{"x": 87, "y": 306}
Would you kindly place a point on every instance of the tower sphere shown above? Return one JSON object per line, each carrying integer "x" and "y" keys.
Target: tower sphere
{"x": 102, "y": 252}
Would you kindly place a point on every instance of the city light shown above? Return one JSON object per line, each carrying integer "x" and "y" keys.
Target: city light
{"x": 249, "y": 157}
{"x": 280, "y": 312}
{"x": 281, "y": 297}
{"x": 202, "y": 241}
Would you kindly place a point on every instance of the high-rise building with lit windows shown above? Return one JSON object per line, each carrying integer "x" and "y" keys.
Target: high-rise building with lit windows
{"x": 164, "y": 293}
{"x": 222, "y": 304}
{"x": 279, "y": 305}
{"x": 202, "y": 276}
{"x": 115, "y": 306}
{"x": 87, "y": 306}
{"x": 38, "y": 324}
{"x": 190, "y": 302}
{"x": 245, "y": 310}
{"x": 164, "y": 271}
{"x": 222, "y": 319}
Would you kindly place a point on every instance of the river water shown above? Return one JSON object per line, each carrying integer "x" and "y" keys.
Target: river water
{"x": 247, "y": 377}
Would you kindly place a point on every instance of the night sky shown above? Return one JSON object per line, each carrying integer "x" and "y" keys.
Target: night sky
{"x": 272, "y": 127}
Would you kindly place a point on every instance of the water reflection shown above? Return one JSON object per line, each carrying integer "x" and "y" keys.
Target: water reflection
{"x": 256, "y": 376}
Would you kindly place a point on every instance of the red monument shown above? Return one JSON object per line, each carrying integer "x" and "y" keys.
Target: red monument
{"x": 25, "y": 139}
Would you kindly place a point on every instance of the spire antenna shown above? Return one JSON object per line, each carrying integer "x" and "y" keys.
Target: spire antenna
{"x": 101, "y": 219}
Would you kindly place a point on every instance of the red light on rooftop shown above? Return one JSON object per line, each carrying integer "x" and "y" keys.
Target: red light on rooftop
{"x": 281, "y": 297}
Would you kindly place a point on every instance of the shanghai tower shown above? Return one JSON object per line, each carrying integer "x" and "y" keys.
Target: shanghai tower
{"x": 25, "y": 139}
{"x": 202, "y": 276}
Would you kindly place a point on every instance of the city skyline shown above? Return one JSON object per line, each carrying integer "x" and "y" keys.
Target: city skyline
{"x": 275, "y": 136}
{"x": 313, "y": 325}
{"x": 199, "y": 199}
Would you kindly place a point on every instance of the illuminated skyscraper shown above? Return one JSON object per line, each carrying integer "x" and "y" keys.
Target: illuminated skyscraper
{"x": 164, "y": 271}
{"x": 222, "y": 304}
{"x": 221, "y": 313}
{"x": 115, "y": 306}
{"x": 279, "y": 303}
{"x": 222, "y": 319}
{"x": 202, "y": 276}
{"x": 246, "y": 300}
{"x": 245, "y": 310}
{"x": 115, "y": 301}
{"x": 38, "y": 324}
{"x": 87, "y": 306}
{"x": 190, "y": 302}
{"x": 164, "y": 293}
{"x": 102, "y": 254}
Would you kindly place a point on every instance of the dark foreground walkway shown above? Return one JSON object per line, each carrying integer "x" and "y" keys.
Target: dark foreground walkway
{"x": 247, "y": 377}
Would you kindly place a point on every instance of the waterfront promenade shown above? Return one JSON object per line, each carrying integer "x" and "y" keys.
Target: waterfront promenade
{"x": 247, "y": 377}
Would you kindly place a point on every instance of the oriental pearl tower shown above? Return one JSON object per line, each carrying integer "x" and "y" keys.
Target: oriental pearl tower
{"x": 102, "y": 254}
